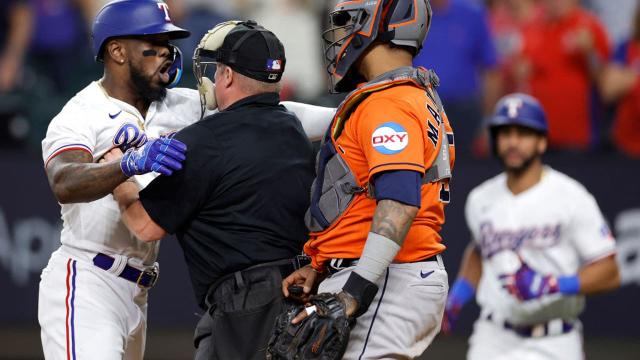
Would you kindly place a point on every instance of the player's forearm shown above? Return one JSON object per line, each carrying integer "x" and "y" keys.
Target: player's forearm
{"x": 600, "y": 276}
{"x": 393, "y": 219}
{"x": 74, "y": 180}
{"x": 471, "y": 267}
{"x": 391, "y": 222}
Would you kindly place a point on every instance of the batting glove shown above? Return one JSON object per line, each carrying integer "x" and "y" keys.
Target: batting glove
{"x": 461, "y": 292}
{"x": 163, "y": 155}
{"x": 527, "y": 284}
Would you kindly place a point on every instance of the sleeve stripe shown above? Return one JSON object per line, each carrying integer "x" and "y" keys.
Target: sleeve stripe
{"x": 64, "y": 148}
{"x": 400, "y": 163}
{"x": 601, "y": 256}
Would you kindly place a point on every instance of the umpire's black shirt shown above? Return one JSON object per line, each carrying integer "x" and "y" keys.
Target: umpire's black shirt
{"x": 241, "y": 196}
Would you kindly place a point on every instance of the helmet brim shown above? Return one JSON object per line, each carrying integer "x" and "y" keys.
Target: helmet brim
{"x": 500, "y": 120}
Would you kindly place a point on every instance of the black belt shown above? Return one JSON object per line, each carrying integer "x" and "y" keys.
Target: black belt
{"x": 143, "y": 278}
{"x": 285, "y": 267}
{"x": 337, "y": 265}
{"x": 539, "y": 330}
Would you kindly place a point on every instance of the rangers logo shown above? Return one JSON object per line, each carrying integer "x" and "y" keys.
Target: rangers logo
{"x": 129, "y": 136}
{"x": 513, "y": 105}
{"x": 390, "y": 138}
{"x": 164, "y": 7}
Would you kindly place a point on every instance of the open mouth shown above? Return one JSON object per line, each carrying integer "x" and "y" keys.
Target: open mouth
{"x": 164, "y": 72}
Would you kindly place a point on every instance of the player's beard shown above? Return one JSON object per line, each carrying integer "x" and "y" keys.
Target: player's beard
{"x": 522, "y": 167}
{"x": 144, "y": 86}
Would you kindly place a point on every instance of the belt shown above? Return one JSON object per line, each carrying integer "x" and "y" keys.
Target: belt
{"x": 336, "y": 265}
{"x": 144, "y": 278}
{"x": 285, "y": 267}
{"x": 549, "y": 328}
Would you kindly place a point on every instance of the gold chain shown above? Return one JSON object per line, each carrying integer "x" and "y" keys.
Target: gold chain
{"x": 104, "y": 91}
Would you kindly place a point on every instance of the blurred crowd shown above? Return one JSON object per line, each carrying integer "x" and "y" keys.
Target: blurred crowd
{"x": 581, "y": 59}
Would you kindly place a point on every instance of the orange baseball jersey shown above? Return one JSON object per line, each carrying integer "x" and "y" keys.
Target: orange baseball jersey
{"x": 393, "y": 129}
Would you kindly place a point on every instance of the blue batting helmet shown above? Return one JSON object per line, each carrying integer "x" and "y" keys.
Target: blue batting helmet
{"x": 519, "y": 109}
{"x": 132, "y": 17}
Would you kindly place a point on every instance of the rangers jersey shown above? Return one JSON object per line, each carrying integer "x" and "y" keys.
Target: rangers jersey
{"x": 94, "y": 122}
{"x": 556, "y": 227}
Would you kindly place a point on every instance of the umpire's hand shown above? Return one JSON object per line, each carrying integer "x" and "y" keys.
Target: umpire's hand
{"x": 307, "y": 278}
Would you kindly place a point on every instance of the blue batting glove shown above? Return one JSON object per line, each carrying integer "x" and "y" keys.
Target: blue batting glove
{"x": 527, "y": 284}
{"x": 163, "y": 155}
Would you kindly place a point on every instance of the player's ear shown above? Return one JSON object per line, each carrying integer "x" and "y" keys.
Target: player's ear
{"x": 115, "y": 50}
{"x": 542, "y": 145}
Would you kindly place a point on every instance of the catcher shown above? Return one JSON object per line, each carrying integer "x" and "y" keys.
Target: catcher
{"x": 377, "y": 203}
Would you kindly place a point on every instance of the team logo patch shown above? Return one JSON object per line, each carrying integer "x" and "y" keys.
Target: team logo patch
{"x": 390, "y": 138}
{"x": 129, "y": 136}
{"x": 274, "y": 65}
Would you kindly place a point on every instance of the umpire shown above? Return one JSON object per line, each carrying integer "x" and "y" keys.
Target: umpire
{"x": 237, "y": 205}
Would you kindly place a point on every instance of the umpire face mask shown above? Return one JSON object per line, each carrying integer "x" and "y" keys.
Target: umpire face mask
{"x": 244, "y": 46}
{"x": 205, "y": 63}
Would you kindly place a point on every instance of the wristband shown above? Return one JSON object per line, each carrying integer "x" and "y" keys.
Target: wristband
{"x": 379, "y": 251}
{"x": 569, "y": 285}
{"x": 362, "y": 290}
{"x": 462, "y": 291}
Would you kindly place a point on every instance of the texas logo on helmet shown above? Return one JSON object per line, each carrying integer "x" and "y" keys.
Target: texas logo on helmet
{"x": 390, "y": 138}
{"x": 513, "y": 105}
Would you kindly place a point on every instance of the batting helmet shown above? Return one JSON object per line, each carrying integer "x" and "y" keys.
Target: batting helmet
{"x": 132, "y": 17}
{"x": 519, "y": 109}
{"x": 356, "y": 25}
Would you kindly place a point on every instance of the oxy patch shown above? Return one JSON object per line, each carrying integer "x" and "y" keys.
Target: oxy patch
{"x": 389, "y": 138}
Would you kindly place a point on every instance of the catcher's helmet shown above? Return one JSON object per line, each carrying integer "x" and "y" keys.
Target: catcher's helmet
{"x": 519, "y": 109}
{"x": 132, "y": 18}
{"x": 355, "y": 25}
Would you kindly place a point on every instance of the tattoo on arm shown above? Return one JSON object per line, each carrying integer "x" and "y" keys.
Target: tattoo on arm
{"x": 74, "y": 177}
{"x": 393, "y": 220}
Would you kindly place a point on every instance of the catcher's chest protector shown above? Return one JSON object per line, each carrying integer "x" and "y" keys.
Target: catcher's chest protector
{"x": 336, "y": 185}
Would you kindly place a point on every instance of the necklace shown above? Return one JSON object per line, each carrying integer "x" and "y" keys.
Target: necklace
{"x": 138, "y": 117}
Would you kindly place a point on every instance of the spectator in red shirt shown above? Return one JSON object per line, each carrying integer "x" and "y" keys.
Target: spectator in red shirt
{"x": 563, "y": 55}
{"x": 621, "y": 83}
{"x": 508, "y": 20}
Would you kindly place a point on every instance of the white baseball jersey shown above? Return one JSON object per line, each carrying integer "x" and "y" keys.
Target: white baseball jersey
{"x": 94, "y": 122}
{"x": 556, "y": 227}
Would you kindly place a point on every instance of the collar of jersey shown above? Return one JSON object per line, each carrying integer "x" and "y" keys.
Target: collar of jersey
{"x": 259, "y": 99}
{"x": 128, "y": 108}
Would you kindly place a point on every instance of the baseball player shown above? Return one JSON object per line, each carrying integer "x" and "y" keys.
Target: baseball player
{"x": 382, "y": 183}
{"x": 540, "y": 244}
{"x": 93, "y": 293}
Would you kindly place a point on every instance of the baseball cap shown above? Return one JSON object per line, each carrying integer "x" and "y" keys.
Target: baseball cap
{"x": 253, "y": 51}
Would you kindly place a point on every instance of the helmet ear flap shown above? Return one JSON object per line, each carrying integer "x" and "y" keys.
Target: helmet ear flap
{"x": 175, "y": 70}
{"x": 207, "y": 93}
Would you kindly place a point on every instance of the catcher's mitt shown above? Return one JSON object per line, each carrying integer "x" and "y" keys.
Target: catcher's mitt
{"x": 322, "y": 335}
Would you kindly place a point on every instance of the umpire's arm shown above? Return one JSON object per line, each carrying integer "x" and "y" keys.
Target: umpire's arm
{"x": 134, "y": 216}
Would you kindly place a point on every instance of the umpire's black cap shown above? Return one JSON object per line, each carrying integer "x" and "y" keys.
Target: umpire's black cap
{"x": 253, "y": 51}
